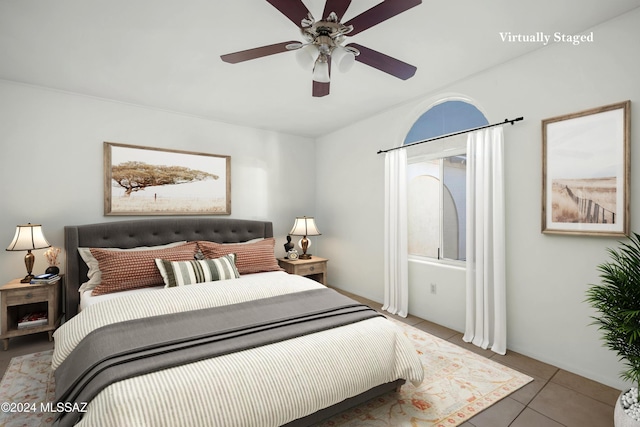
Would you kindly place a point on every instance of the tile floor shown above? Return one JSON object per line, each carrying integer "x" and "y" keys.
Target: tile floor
{"x": 555, "y": 398}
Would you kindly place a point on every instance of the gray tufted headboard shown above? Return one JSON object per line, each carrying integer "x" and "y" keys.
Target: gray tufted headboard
{"x": 147, "y": 232}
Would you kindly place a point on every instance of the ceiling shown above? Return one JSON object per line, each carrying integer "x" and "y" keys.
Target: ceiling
{"x": 166, "y": 53}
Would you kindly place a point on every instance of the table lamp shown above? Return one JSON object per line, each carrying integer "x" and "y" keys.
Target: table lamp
{"x": 304, "y": 226}
{"x": 28, "y": 237}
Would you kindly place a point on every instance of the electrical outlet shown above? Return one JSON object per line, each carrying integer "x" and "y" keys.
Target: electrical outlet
{"x": 434, "y": 288}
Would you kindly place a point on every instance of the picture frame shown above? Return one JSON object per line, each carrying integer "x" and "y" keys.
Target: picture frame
{"x": 141, "y": 180}
{"x": 585, "y": 172}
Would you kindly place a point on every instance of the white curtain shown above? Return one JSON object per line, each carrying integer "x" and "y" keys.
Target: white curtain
{"x": 486, "y": 289}
{"x": 396, "y": 283}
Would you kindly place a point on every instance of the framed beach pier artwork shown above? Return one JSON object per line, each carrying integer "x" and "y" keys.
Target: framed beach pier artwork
{"x": 155, "y": 181}
{"x": 585, "y": 176}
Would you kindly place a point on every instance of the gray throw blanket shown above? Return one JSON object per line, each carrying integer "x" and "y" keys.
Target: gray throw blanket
{"x": 137, "y": 347}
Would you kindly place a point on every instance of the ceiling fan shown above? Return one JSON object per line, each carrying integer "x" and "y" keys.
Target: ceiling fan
{"x": 325, "y": 38}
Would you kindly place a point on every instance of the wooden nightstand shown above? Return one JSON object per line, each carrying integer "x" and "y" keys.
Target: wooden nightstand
{"x": 314, "y": 268}
{"x": 20, "y": 299}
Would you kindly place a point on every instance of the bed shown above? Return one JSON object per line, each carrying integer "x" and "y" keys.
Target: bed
{"x": 298, "y": 380}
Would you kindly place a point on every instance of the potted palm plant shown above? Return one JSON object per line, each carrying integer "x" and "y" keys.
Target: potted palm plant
{"x": 617, "y": 299}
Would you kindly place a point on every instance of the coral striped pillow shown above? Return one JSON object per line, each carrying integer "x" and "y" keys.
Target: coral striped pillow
{"x": 179, "y": 273}
{"x": 94, "y": 274}
{"x": 250, "y": 257}
{"x": 123, "y": 271}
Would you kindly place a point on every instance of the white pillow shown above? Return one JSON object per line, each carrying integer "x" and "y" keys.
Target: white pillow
{"x": 95, "y": 275}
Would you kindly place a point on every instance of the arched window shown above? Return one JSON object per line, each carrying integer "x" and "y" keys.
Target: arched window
{"x": 436, "y": 174}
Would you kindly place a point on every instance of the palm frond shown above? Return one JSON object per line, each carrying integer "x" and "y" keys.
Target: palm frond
{"x": 617, "y": 300}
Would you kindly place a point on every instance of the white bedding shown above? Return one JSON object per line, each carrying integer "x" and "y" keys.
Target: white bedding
{"x": 87, "y": 298}
{"x": 266, "y": 386}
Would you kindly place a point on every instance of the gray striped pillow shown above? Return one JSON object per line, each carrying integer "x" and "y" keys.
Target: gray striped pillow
{"x": 179, "y": 273}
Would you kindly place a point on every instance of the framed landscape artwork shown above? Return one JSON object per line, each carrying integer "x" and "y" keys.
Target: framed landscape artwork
{"x": 153, "y": 181}
{"x": 585, "y": 176}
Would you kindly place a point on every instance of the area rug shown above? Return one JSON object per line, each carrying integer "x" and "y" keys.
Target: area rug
{"x": 457, "y": 385}
{"x": 26, "y": 389}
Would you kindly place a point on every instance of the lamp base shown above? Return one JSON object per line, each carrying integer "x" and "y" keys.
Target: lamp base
{"x": 305, "y": 256}
{"x": 29, "y": 260}
{"x": 27, "y": 278}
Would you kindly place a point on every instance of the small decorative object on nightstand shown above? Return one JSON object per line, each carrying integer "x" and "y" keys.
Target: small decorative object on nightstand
{"x": 29, "y": 308}
{"x": 288, "y": 246}
{"x": 314, "y": 268}
{"x": 28, "y": 237}
{"x": 304, "y": 226}
{"x": 51, "y": 255}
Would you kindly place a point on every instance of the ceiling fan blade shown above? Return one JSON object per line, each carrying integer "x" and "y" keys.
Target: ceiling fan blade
{"x": 337, "y": 6}
{"x": 258, "y": 52}
{"x": 295, "y": 10}
{"x": 320, "y": 89}
{"x": 385, "y": 63}
{"x": 379, "y": 13}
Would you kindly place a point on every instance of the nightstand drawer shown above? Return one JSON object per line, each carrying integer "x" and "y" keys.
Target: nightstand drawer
{"x": 305, "y": 270}
{"x": 314, "y": 268}
{"x": 26, "y": 295}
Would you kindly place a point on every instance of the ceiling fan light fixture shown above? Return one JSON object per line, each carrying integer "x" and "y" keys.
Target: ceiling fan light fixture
{"x": 343, "y": 58}
{"x": 321, "y": 71}
{"x": 307, "y": 56}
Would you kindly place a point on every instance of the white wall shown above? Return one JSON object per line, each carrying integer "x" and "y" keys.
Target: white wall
{"x": 51, "y": 166}
{"x": 547, "y": 275}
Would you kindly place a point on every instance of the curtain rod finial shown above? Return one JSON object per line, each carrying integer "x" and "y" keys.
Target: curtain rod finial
{"x": 514, "y": 120}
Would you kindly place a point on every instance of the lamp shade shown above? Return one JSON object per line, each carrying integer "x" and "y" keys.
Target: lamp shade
{"x": 343, "y": 58}
{"x": 307, "y": 55}
{"x": 321, "y": 71}
{"x": 304, "y": 226}
{"x": 28, "y": 237}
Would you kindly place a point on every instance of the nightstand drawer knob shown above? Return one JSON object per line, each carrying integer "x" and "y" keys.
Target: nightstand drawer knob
{"x": 29, "y": 295}
{"x": 312, "y": 268}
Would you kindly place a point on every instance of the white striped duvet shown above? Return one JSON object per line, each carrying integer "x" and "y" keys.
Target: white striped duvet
{"x": 266, "y": 386}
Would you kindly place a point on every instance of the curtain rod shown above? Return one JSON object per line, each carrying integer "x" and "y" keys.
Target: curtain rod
{"x": 512, "y": 121}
